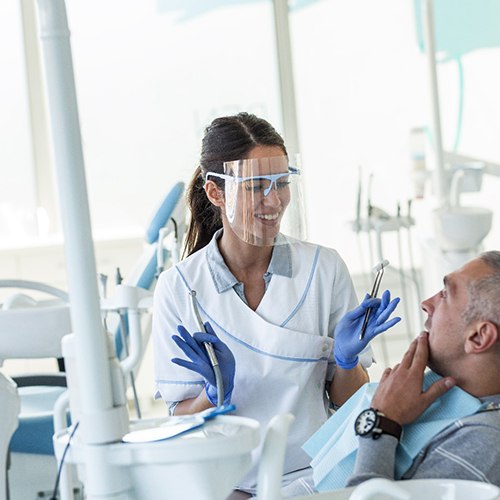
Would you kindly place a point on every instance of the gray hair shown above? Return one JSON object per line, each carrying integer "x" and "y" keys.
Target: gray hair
{"x": 484, "y": 293}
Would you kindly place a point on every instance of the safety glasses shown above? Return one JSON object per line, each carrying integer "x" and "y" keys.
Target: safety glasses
{"x": 250, "y": 209}
{"x": 260, "y": 183}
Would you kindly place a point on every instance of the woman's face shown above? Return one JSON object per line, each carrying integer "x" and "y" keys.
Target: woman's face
{"x": 255, "y": 206}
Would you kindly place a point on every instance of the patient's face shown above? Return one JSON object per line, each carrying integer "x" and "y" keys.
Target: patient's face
{"x": 445, "y": 323}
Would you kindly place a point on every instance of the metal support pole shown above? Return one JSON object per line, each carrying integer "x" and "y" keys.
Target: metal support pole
{"x": 440, "y": 183}
{"x": 286, "y": 79}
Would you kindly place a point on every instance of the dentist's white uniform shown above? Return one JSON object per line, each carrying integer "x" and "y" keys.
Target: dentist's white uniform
{"x": 283, "y": 350}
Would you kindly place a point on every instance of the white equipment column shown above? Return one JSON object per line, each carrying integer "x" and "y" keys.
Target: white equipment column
{"x": 286, "y": 79}
{"x": 101, "y": 420}
{"x": 430, "y": 49}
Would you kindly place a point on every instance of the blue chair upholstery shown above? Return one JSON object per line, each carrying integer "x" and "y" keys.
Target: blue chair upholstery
{"x": 145, "y": 276}
{"x": 36, "y": 425}
{"x": 164, "y": 212}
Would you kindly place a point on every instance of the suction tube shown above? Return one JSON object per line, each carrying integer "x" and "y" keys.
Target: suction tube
{"x": 210, "y": 351}
{"x": 379, "y": 270}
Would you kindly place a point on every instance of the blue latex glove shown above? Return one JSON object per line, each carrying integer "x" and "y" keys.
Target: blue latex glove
{"x": 347, "y": 343}
{"x": 193, "y": 348}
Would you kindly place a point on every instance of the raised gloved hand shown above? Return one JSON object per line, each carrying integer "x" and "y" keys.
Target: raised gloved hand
{"x": 347, "y": 342}
{"x": 193, "y": 348}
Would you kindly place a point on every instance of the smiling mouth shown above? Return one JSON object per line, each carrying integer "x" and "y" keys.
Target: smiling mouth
{"x": 270, "y": 217}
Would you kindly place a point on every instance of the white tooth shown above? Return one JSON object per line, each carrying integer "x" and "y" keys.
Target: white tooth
{"x": 268, "y": 217}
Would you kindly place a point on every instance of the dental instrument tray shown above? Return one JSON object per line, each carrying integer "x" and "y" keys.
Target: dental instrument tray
{"x": 175, "y": 426}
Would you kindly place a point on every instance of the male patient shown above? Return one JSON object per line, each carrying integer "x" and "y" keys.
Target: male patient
{"x": 462, "y": 345}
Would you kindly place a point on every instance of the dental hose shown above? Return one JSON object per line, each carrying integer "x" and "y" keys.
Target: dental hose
{"x": 210, "y": 351}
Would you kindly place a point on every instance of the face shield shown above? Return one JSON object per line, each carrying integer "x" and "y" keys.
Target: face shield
{"x": 260, "y": 194}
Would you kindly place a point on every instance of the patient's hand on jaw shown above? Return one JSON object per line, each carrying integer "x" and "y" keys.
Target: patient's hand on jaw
{"x": 399, "y": 394}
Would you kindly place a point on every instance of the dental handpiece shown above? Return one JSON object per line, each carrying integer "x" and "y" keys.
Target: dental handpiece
{"x": 379, "y": 270}
{"x": 210, "y": 351}
{"x": 201, "y": 326}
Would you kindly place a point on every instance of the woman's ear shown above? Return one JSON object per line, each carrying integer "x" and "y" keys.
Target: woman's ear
{"x": 481, "y": 337}
{"x": 214, "y": 193}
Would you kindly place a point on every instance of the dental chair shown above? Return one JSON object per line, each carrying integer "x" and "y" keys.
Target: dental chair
{"x": 168, "y": 221}
{"x": 9, "y": 404}
{"x": 164, "y": 235}
{"x": 31, "y": 328}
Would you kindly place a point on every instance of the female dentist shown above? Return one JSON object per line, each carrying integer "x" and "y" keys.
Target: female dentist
{"x": 276, "y": 308}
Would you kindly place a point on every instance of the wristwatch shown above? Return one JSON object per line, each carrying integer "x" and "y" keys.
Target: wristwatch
{"x": 374, "y": 423}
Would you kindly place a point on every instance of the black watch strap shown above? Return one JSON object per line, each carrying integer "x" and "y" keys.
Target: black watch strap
{"x": 373, "y": 423}
{"x": 387, "y": 426}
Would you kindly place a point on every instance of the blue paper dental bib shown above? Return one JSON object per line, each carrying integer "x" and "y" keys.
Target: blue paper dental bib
{"x": 334, "y": 446}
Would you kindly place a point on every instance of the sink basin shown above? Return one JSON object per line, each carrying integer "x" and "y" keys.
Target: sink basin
{"x": 461, "y": 228}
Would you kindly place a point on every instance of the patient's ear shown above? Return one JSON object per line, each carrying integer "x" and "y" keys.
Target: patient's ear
{"x": 214, "y": 194}
{"x": 481, "y": 337}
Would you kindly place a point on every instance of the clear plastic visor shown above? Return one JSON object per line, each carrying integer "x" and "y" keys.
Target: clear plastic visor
{"x": 257, "y": 195}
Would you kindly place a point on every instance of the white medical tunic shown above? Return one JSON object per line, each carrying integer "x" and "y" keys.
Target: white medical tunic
{"x": 283, "y": 349}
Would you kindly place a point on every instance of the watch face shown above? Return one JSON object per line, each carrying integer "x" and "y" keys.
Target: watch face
{"x": 365, "y": 422}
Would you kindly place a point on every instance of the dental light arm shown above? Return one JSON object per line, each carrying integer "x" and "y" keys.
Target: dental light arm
{"x": 132, "y": 300}
{"x": 160, "y": 257}
{"x": 170, "y": 228}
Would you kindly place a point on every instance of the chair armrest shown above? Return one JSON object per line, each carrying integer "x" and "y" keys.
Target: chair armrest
{"x": 55, "y": 379}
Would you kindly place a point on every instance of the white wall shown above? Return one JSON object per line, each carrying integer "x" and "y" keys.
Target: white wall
{"x": 16, "y": 176}
{"x": 151, "y": 78}
{"x": 149, "y": 82}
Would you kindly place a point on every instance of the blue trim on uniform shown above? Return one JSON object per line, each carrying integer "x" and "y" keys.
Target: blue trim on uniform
{"x": 264, "y": 353}
{"x": 303, "y": 298}
{"x": 183, "y": 279}
{"x": 248, "y": 346}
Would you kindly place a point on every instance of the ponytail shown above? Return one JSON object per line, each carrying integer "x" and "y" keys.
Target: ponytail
{"x": 205, "y": 217}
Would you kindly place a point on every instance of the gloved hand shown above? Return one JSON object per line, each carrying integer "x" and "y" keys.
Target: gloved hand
{"x": 193, "y": 348}
{"x": 347, "y": 343}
